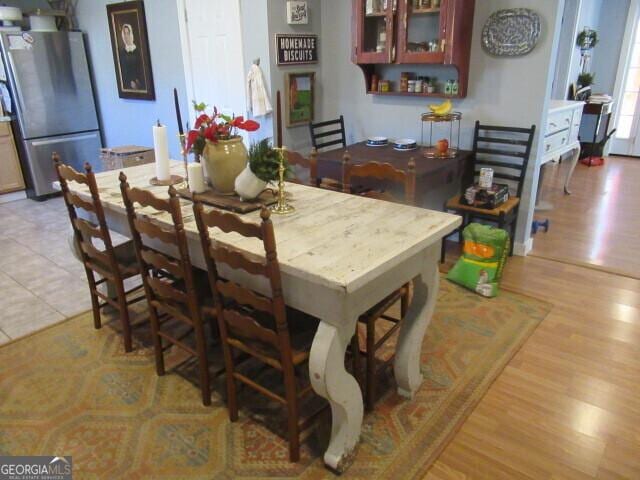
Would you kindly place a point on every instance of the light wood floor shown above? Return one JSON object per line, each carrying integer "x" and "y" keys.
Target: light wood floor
{"x": 568, "y": 404}
{"x": 599, "y": 223}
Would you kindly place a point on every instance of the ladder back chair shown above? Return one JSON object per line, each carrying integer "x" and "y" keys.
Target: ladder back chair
{"x": 172, "y": 295}
{"x": 328, "y": 134}
{"x": 299, "y": 162}
{"x": 379, "y": 312}
{"x": 384, "y": 172}
{"x": 254, "y": 324}
{"x": 113, "y": 264}
{"x": 506, "y": 150}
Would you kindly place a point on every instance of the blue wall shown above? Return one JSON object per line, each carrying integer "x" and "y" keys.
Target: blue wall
{"x": 127, "y": 122}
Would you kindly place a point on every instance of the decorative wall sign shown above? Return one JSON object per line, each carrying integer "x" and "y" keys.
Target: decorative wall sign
{"x": 300, "y": 98}
{"x": 297, "y": 12}
{"x": 511, "y": 32}
{"x": 130, "y": 46}
{"x": 296, "y": 49}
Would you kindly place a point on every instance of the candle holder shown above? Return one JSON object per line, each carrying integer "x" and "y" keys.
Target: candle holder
{"x": 282, "y": 207}
{"x": 185, "y": 158}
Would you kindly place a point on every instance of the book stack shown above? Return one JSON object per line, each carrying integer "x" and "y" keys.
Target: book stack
{"x": 600, "y": 98}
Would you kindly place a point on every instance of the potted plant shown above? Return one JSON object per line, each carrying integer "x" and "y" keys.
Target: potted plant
{"x": 215, "y": 137}
{"x": 587, "y": 39}
{"x": 262, "y": 168}
{"x": 585, "y": 79}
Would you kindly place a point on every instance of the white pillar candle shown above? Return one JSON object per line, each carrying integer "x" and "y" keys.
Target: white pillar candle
{"x": 161, "y": 149}
{"x": 195, "y": 175}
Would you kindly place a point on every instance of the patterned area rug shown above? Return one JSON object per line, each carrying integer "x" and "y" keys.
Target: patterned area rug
{"x": 71, "y": 390}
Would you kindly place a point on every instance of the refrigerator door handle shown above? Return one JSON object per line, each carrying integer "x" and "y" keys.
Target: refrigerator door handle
{"x": 48, "y": 141}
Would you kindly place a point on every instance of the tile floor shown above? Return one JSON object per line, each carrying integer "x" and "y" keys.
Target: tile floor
{"x": 41, "y": 282}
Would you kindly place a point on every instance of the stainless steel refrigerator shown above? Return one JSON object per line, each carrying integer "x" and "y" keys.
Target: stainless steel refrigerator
{"x": 53, "y": 104}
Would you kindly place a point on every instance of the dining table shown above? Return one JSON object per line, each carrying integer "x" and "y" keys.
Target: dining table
{"x": 339, "y": 255}
{"x": 437, "y": 179}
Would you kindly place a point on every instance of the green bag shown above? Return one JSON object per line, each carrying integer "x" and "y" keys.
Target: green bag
{"x": 485, "y": 253}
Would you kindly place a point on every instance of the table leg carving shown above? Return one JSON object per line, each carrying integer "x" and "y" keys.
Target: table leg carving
{"x": 331, "y": 381}
{"x": 572, "y": 167}
{"x": 407, "y": 360}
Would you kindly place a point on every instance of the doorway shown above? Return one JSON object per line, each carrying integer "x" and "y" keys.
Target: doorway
{"x": 627, "y": 92}
{"x": 211, "y": 38}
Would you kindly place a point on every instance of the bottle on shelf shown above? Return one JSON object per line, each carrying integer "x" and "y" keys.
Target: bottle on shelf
{"x": 448, "y": 87}
{"x": 455, "y": 88}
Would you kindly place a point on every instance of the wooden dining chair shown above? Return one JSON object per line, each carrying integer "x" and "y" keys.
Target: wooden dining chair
{"x": 330, "y": 133}
{"x": 255, "y": 324}
{"x": 506, "y": 150}
{"x": 380, "y": 312}
{"x": 172, "y": 295}
{"x": 383, "y": 172}
{"x": 308, "y": 164}
{"x": 112, "y": 264}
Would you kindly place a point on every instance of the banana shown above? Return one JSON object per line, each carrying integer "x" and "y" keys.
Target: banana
{"x": 442, "y": 109}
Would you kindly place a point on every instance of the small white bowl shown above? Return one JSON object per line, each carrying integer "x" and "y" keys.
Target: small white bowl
{"x": 405, "y": 144}
{"x": 377, "y": 141}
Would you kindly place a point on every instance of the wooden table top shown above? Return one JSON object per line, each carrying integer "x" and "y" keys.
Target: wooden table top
{"x": 361, "y": 153}
{"x": 338, "y": 240}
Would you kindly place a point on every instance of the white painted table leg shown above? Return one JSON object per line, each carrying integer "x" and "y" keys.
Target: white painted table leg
{"x": 574, "y": 162}
{"x": 414, "y": 325}
{"x": 331, "y": 381}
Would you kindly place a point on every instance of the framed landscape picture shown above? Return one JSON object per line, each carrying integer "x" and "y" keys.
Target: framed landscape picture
{"x": 300, "y": 98}
{"x": 130, "y": 46}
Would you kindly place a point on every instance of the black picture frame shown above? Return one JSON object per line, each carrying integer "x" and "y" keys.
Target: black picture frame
{"x": 130, "y": 47}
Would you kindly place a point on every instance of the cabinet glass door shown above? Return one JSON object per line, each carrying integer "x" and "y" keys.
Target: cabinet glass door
{"x": 375, "y": 42}
{"x": 422, "y": 31}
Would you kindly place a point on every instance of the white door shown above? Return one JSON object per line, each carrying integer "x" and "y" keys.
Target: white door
{"x": 212, "y": 52}
{"x": 626, "y": 140}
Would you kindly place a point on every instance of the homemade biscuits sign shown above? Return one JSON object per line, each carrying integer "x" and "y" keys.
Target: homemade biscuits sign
{"x": 296, "y": 49}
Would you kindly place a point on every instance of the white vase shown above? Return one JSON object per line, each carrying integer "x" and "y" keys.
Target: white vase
{"x": 247, "y": 185}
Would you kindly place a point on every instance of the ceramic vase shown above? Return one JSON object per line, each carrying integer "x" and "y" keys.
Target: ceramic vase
{"x": 248, "y": 185}
{"x": 224, "y": 161}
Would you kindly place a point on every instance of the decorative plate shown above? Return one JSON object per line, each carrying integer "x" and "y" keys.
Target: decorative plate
{"x": 511, "y": 32}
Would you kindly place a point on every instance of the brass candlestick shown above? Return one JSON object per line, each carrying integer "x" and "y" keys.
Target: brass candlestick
{"x": 282, "y": 207}
{"x": 185, "y": 158}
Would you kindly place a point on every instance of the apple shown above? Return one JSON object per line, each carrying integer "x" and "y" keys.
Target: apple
{"x": 442, "y": 146}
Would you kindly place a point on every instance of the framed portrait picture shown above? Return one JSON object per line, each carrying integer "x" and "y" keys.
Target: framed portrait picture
{"x": 300, "y": 98}
{"x": 130, "y": 46}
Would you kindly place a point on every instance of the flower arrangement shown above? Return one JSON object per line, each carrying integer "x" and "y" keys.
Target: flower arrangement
{"x": 215, "y": 127}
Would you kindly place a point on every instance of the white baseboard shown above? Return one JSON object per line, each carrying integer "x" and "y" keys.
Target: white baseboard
{"x": 13, "y": 196}
{"x": 522, "y": 249}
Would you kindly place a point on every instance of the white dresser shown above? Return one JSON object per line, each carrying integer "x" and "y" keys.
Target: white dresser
{"x": 561, "y": 133}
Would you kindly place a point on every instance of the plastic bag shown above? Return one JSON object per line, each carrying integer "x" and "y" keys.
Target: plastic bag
{"x": 484, "y": 255}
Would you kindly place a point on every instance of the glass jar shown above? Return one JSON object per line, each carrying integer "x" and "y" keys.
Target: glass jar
{"x": 448, "y": 87}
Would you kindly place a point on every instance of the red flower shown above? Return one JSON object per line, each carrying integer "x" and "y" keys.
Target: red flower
{"x": 204, "y": 118}
{"x": 237, "y": 121}
{"x": 192, "y": 136}
{"x": 249, "y": 125}
{"x": 211, "y": 134}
